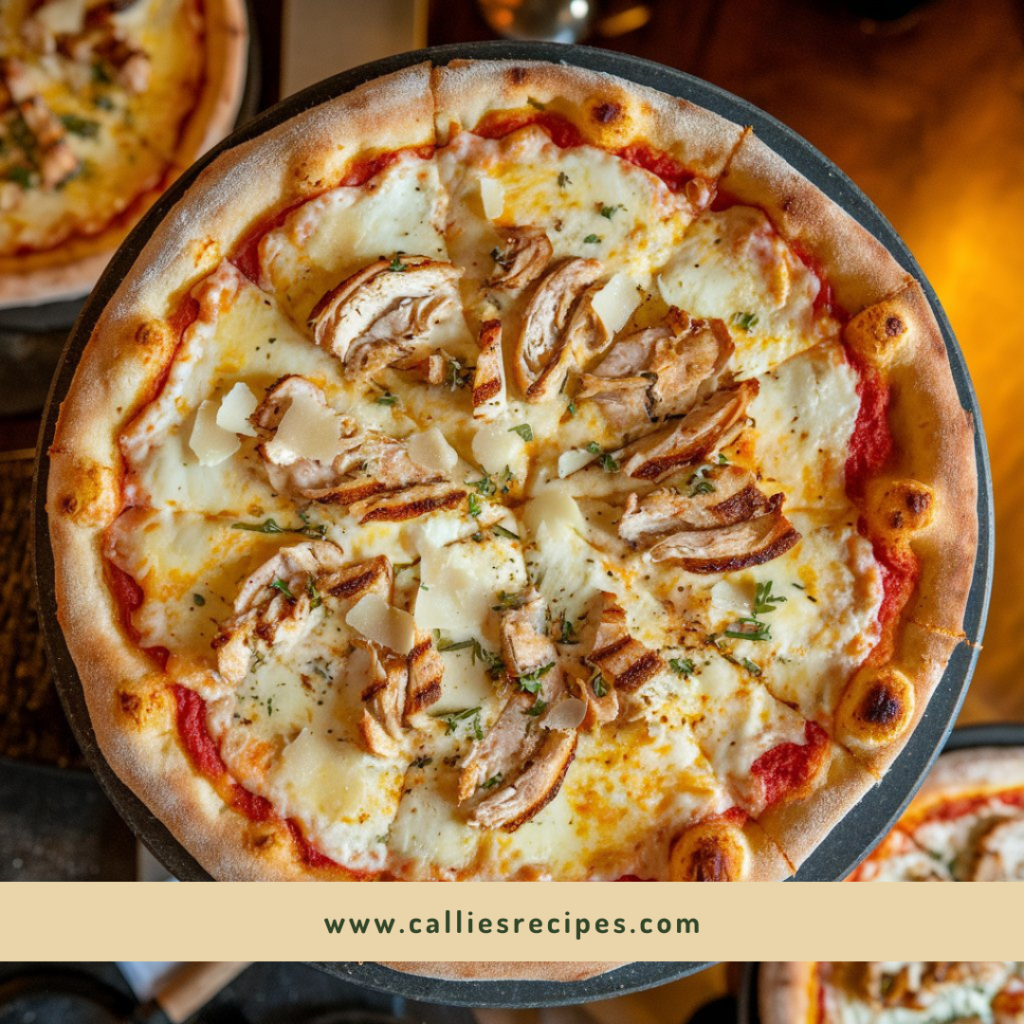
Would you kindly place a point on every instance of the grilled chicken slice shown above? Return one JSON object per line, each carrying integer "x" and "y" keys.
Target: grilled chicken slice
{"x": 401, "y": 687}
{"x": 722, "y": 495}
{"x": 657, "y": 371}
{"x": 367, "y": 464}
{"x": 542, "y": 352}
{"x": 729, "y": 548}
{"x": 276, "y": 601}
{"x": 380, "y": 313}
{"x": 689, "y": 439}
{"x": 523, "y": 258}
{"x": 408, "y": 503}
{"x": 431, "y": 368}
{"x": 623, "y": 661}
{"x": 489, "y": 377}
{"x": 523, "y": 758}
{"x": 54, "y": 157}
{"x": 534, "y": 787}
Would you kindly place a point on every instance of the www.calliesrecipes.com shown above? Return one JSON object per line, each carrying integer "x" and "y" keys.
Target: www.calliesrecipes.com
{"x": 466, "y": 923}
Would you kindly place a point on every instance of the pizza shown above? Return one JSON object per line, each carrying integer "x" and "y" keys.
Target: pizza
{"x": 966, "y": 824}
{"x": 520, "y": 970}
{"x": 892, "y": 992}
{"x": 505, "y": 471}
{"x": 102, "y": 104}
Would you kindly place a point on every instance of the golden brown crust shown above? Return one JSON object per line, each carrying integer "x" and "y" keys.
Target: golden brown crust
{"x": 979, "y": 769}
{"x": 608, "y": 111}
{"x": 800, "y": 821}
{"x": 859, "y": 268}
{"x": 786, "y": 991}
{"x": 722, "y": 850}
{"x": 74, "y": 267}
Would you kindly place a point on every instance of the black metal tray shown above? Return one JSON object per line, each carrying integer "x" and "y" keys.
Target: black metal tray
{"x": 865, "y": 825}
{"x": 631, "y": 978}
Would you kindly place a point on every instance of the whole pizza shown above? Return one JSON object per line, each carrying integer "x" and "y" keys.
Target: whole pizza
{"x": 504, "y": 471}
{"x": 102, "y": 104}
{"x": 966, "y": 824}
{"x": 892, "y": 992}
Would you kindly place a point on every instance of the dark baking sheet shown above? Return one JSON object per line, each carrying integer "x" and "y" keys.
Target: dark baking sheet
{"x": 859, "y": 832}
{"x": 631, "y": 978}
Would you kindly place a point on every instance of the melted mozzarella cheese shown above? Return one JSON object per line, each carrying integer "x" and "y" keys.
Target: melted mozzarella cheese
{"x": 339, "y": 232}
{"x": 804, "y": 415}
{"x": 734, "y": 265}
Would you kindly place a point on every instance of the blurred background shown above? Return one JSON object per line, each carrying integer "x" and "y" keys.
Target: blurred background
{"x": 922, "y": 104}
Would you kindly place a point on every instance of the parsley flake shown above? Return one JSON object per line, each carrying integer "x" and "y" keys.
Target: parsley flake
{"x": 524, "y": 430}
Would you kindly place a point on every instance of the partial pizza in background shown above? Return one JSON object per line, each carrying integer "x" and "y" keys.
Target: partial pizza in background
{"x": 907, "y": 992}
{"x": 966, "y": 824}
{"x": 102, "y": 104}
{"x": 506, "y": 471}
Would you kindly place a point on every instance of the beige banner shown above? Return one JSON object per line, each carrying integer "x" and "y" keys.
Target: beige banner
{"x": 510, "y": 921}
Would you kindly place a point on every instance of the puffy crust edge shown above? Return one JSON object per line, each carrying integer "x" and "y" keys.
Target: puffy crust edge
{"x": 785, "y": 991}
{"x": 970, "y": 770}
{"x": 798, "y": 824}
{"x": 73, "y": 268}
{"x": 608, "y": 111}
{"x": 860, "y": 269}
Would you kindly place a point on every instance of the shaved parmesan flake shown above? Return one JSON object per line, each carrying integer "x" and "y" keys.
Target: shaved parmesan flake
{"x": 574, "y": 459}
{"x": 61, "y": 17}
{"x": 383, "y": 624}
{"x": 566, "y": 714}
{"x": 431, "y": 451}
{"x": 555, "y": 508}
{"x": 492, "y": 195}
{"x": 731, "y": 596}
{"x": 495, "y": 446}
{"x": 308, "y": 430}
{"x": 615, "y": 302}
{"x": 235, "y": 409}
{"x": 211, "y": 443}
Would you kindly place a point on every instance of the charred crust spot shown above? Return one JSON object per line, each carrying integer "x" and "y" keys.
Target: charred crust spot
{"x": 881, "y": 706}
{"x": 894, "y": 326}
{"x": 788, "y": 204}
{"x": 896, "y": 520}
{"x": 412, "y": 509}
{"x": 605, "y": 113}
{"x": 709, "y": 862}
{"x": 68, "y": 504}
{"x": 517, "y": 75}
{"x": 918, "y": 502}
{"x": 130, "y": 705}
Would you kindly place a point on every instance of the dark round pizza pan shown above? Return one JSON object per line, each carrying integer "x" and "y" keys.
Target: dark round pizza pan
{"x": 865, "y": 825}
{"x": 990, "y": 734}
{"x": 622, "y": 981}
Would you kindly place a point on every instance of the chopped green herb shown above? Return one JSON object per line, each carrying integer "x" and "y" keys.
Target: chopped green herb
{"x": 682, "y": 666}
{"x": 749, "y": 629}
{"x": 524, "y": 430}
{"x": 599, "y": 686}
{"x": 572, "y": 407}
{"x": 397, "y": 265}
{"x": 387, "y": 399}
{"x": 472, "y": 715}
{"x": 536, "y": 104}
{"x": 457, "y": 375}
{"x": 422, "y": 762}
{"x": 316, "y": 532}
{"x": 501, "y": 531}
{"x": 799, "y": 586}
{"x": 508, "y": 478}
{"x": 283, "y": 587}
{"x": 538, "y": 708}
{"x": 508, "y": 601}
{"x": 80, "y": 126}
{"x": 744, "y": 321}
{"x": 270, "y": 706}
{"x": 568, "y": 630}
{"x": 592, "y": 240}
{"x": 723, "y": 459}
{"x": 493, "y": 781}
{"x": 531, "y": 682}
{"x": 764, "y": 600}
{"x": 610, "y": 211}
{"x": 20, "y": 176}
{"x": 485, "y": 485}
{"x": 563, "y": 179}
{"x": 104, "y": 102}
{"x": 608, "y": 463}
{"x": 702, "y": 487}
{"x": 100, "y": 75}
{"x": 198, "y": 600}
{"x": 754, "y": 670}
{"x": 315, "y": 600}
{"x": 495, "y": 665}
{"x": 475, "y": 508}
